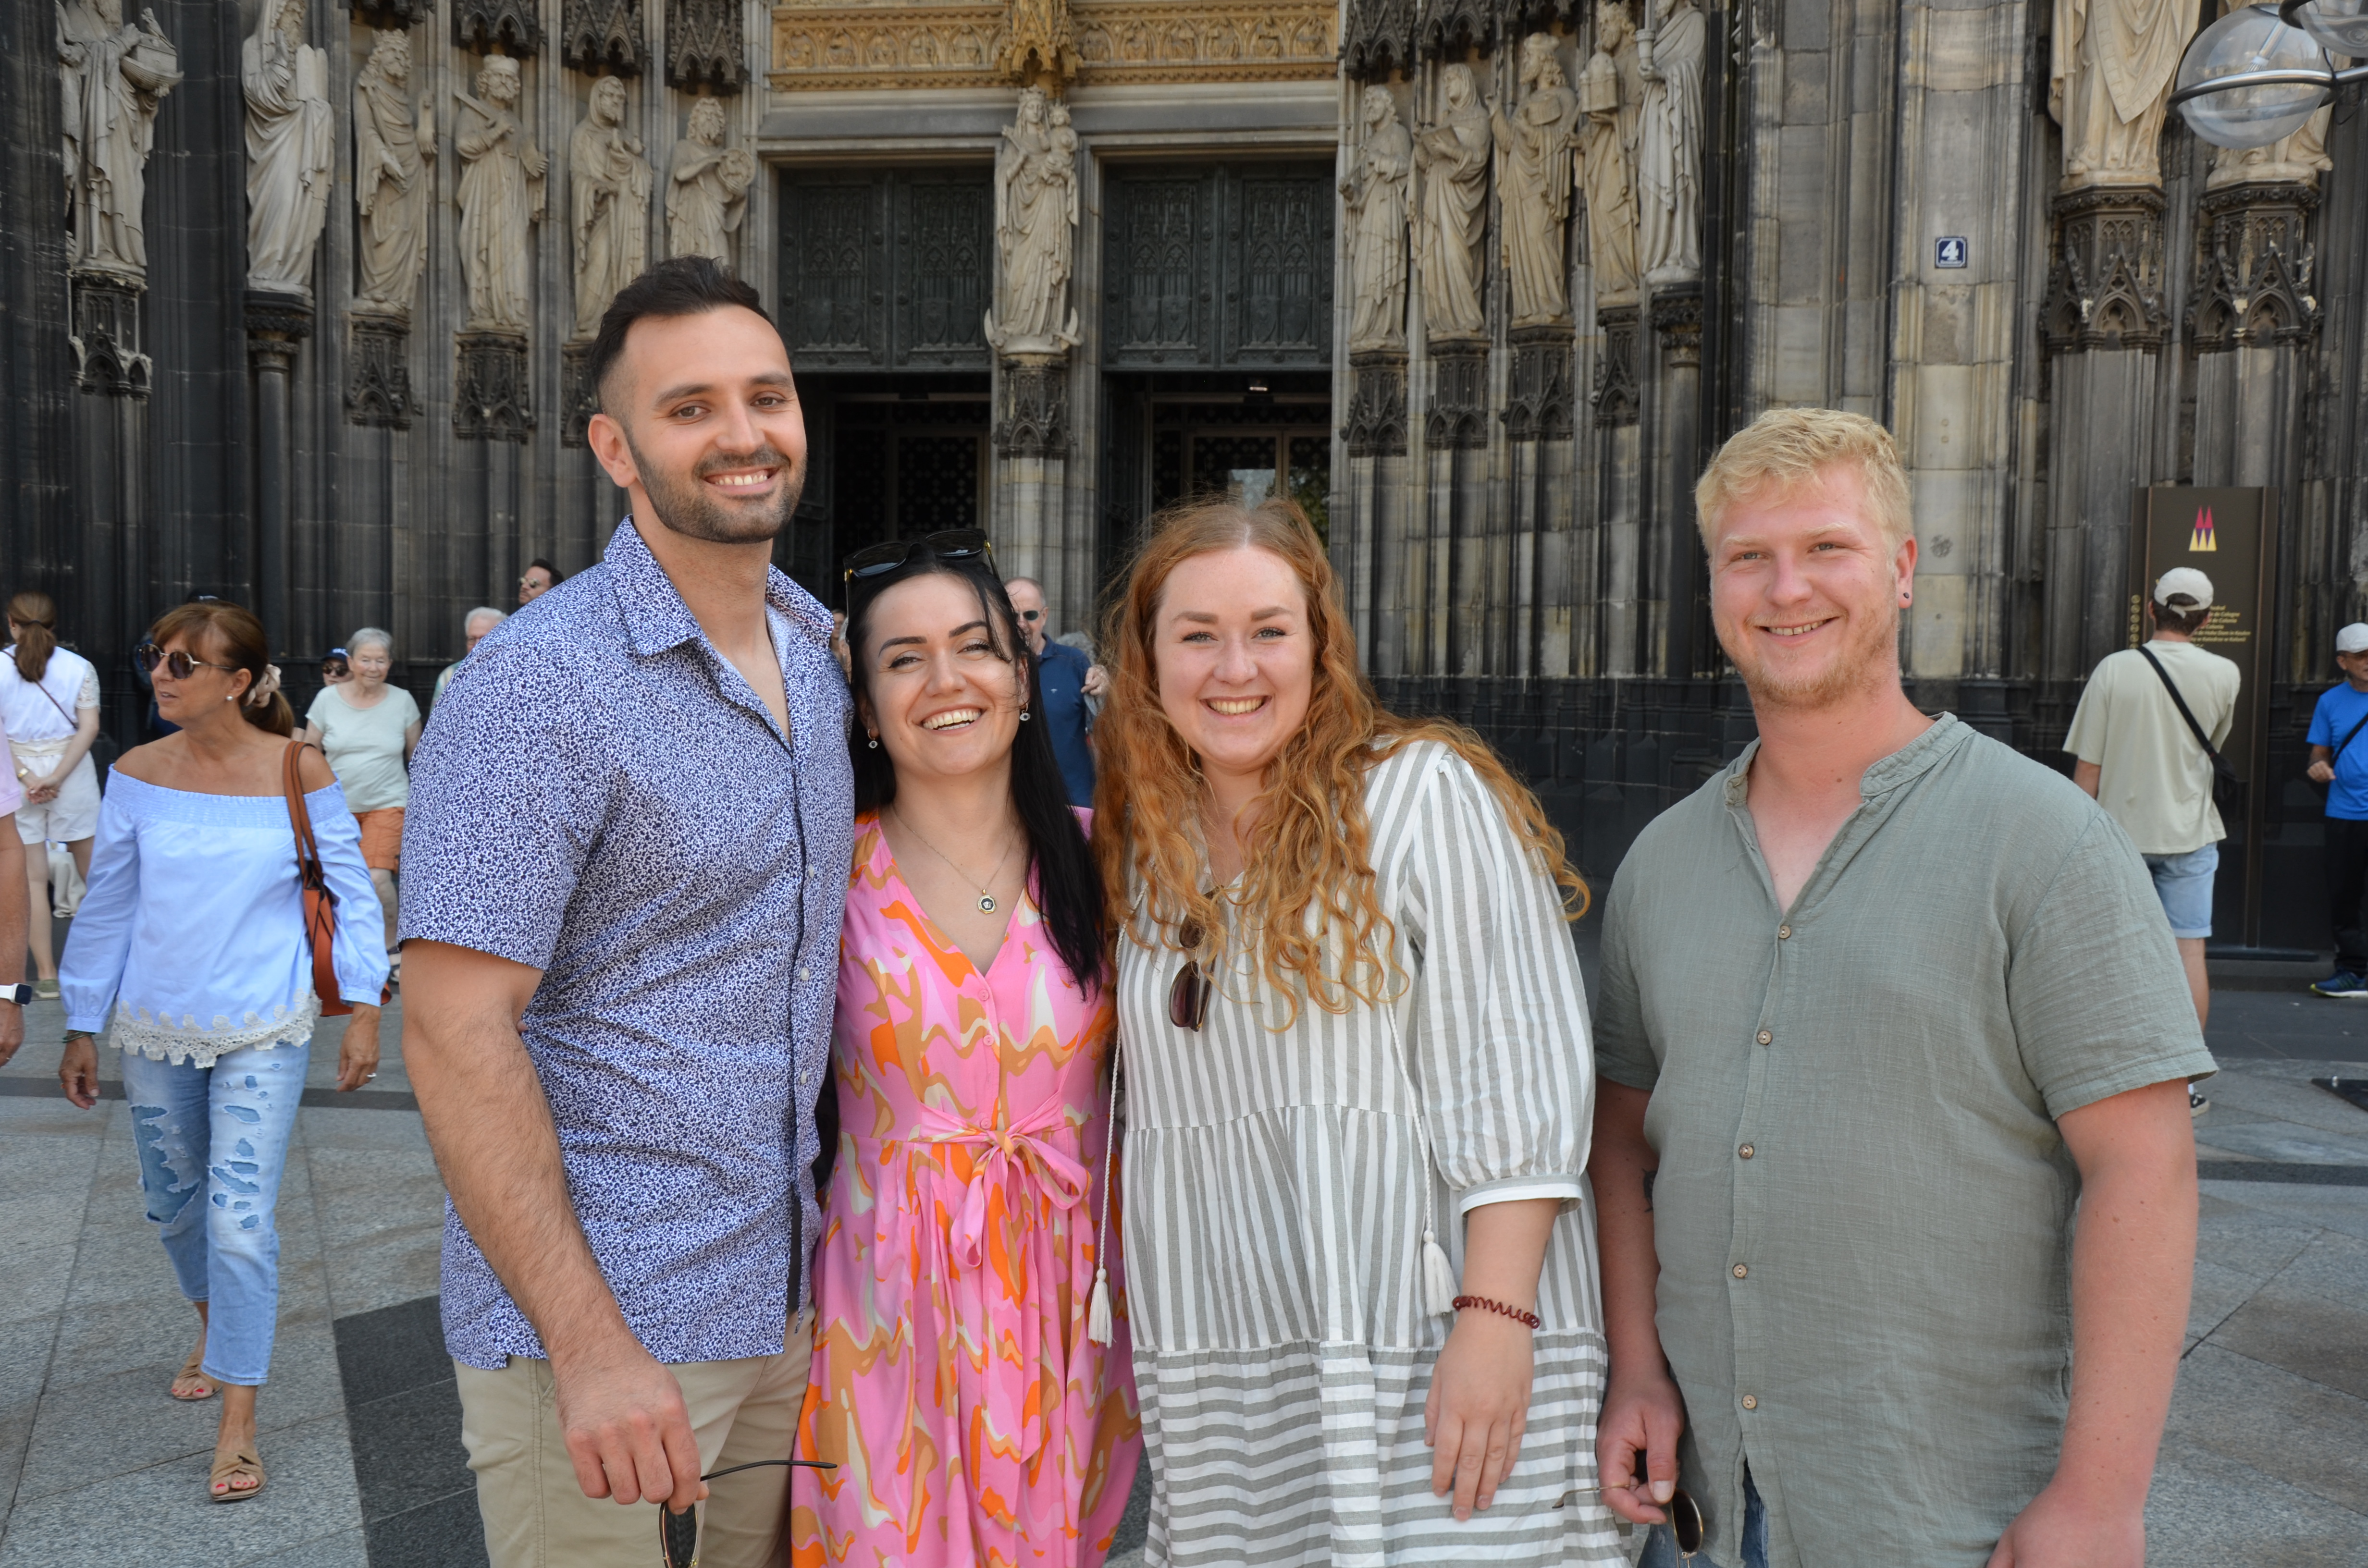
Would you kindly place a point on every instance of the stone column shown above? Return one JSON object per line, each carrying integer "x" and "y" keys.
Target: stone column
{"x": 2253, "y": 317}
{"x": 111, "y": 463}
{"x": 276, "y": 325}
{"x": 492, "y": 407}
{"x": 1675, "y": 549}
{"x": 1031, "y": 465}
{"x": 2103, "y": 324}
{"x": 1376, "y": 567}
{"x": 1455, "y": 443}
{"x": 1618, "y": 401}
{"x": 1537, "y": 425}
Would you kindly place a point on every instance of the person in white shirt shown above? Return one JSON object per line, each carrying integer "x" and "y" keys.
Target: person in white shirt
{"x": 369, "y": 729}
{"x": 48, "y": 704}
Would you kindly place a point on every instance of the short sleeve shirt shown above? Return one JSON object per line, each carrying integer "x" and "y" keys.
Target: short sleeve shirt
{"x": 2153, "y": 777}
{"x": 364, "y": 746}
{"x": 1864, "y": 1206}
{"x": 37, "y": 712}
{"x": 2337, "y": 711}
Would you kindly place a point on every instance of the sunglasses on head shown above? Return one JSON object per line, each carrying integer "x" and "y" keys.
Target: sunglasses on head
{"x": 177, "y": 664}
{"x": 678, "y": 1533}
{"x": 948, "y": 544}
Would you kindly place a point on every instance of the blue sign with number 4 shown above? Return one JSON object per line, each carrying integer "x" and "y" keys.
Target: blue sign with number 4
{"x": 1948, "y": 250}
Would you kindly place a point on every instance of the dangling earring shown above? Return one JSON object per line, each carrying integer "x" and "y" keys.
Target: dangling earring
{"x": 873, "y": 742}
{"x": 1023, "y": 715}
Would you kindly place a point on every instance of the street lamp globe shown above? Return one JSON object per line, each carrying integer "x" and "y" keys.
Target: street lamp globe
{"x": 2340, "y": 26}
{"x": 2253, "y": 40}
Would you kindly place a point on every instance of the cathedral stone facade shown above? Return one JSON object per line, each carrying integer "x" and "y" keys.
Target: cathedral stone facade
{"x": 298, "y": 294}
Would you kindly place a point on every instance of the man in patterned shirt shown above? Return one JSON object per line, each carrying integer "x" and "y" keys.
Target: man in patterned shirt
{"x": 626, "y": 864}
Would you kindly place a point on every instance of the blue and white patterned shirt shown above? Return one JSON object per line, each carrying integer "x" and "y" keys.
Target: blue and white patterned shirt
{"x": 601, "y": 796}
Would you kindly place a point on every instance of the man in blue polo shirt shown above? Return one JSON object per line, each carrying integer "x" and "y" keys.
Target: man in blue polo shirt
{"x": 1065, "y": 677}
{"x": 2338, "y": 759}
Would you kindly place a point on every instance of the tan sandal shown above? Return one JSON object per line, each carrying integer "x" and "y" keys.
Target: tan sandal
{"x": 237, "y": 1463}
{"x": 192, "y": 1367}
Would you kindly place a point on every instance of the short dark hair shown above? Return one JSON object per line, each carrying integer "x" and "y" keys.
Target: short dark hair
{"x": 685, "y": 286}
{"x": 556, "y": 575}
{"x": 2181, "y": 616}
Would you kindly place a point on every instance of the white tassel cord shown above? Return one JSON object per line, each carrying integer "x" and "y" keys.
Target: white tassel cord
{"x": 1098, "y": 1315}
{"x": 1438, "y": 1278}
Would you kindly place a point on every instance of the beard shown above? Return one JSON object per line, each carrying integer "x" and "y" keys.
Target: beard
{"x": 1867, "y": 659}
{"x": 684, "y": 505}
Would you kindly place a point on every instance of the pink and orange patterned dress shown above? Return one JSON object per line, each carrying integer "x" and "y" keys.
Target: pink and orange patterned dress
{"x": 971, "y": 1418}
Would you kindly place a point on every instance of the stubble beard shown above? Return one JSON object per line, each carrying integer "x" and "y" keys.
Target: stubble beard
{"x": 1865, "y": 663}
{"x": 683, "y": 506}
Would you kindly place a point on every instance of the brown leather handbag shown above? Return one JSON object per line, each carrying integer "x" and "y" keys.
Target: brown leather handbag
{"x": 320, "y": 904}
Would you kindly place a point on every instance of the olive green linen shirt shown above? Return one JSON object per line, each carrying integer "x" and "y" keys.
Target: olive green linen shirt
{"x": 1864, "y": 1208}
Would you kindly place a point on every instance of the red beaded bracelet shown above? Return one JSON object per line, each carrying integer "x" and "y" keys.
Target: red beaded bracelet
{"x": 1529, "y": 1319}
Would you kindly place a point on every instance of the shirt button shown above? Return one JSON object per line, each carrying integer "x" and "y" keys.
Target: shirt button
{"x": 808, "y": 974}
{"x": 1740, "y": 1271}
{"x": 1745, "y": 1151}
{"x": 1783, "y": 933}
{"x": 1750, "y": 1401}
{"x": 1766, "y": 1037}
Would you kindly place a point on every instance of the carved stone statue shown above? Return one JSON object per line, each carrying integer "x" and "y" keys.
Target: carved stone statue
{"x": 291, "y": 140}
{"x": 1669, "y": 144}
{"x": 2108, "y": 76}
{"x": 707, "y": 189}
{"x": 1035, "y": 218}
{"x": 1454, "y": 157}
{"x": 2298, "y": 159}
{"x": 1534, "y": 182}
{"x": 608, "y": 207}
{"x": 394, "y": 141}
{"x": 1608, "y": 93}
{"x": 1374, "y": 194}
{"x": 115, "y": 76}
{"x": 1040, "y": 30}
{"x": 501, "y": 194}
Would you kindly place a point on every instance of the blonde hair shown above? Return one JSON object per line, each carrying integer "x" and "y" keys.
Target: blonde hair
{"x": 1786, "y": 450}
{"x": 1308, "y": 889}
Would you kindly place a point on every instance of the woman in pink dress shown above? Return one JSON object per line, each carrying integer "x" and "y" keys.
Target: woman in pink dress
{"x": 971, "y": 1377}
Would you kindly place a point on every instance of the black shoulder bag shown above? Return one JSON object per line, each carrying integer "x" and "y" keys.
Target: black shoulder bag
{"x": 2227, "y": 789}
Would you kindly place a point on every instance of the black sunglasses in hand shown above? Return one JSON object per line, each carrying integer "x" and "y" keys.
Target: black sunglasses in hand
{"x": 948, "y": 544}
{"x": 678, "y": 1533}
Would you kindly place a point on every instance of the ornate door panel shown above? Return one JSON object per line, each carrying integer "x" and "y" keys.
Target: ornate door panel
{"x": 834, "y": 240}
{"x": 888, "y": 270}
{"x": 1227, "y": 266}
{"x": 1279, "y": 292}
{"x": 1157, "y": 248}
{"x": 945, "y": 255}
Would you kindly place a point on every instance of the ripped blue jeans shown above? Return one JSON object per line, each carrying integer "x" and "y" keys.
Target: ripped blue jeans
{"x": 212, "y": 1143}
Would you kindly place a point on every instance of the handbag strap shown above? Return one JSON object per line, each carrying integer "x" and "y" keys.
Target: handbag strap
{"x": 2337, "y": 755}
{"x": 320, "y": 904}
{"x": 2172, "y": 687}
{"x": 308, "y": 849}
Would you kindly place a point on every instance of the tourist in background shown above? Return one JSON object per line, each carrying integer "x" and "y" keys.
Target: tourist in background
{"x": 2139, "y": 756}
{"x": 957, "y": 1383}
{"x": 1354, "y": 1042}
{"x": 538, "y": 578}
{"x": 2338, "y": 760}
{"x": 369, "y": 730}
{"x": 1066, "y": 680}
{"x": 191, "y": 947}
{"x": 479, "y": 621}
{"x": 48, "y": 704}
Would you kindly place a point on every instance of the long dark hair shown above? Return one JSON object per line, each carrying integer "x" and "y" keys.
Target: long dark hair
{"x": 37, "y": 621}
{"x": 1068, "y": 887}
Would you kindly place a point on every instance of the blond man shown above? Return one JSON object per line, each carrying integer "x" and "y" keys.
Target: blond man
{"x": 1879, "y": 1004}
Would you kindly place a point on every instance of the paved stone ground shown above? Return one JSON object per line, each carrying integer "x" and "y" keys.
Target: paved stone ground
{"x": 360, "y": 1425}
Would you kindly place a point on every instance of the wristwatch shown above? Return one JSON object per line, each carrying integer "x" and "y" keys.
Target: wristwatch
{"x": 20, "y": 994}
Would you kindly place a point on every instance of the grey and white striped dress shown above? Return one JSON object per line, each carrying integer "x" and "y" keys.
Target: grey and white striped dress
{"x": 1276, "y": 1192}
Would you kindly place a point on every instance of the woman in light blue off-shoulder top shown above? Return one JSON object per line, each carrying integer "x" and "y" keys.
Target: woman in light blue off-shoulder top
{"x": 190, "y": 946}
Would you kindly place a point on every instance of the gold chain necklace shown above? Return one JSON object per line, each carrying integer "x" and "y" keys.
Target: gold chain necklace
{"x": 986, "y": 899}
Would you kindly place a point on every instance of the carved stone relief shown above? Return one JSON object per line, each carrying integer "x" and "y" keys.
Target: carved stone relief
{"x": 291, "y": 140}
{"x": 2105, "y": 286}
{"x": 1377, "y": 406}
{"x": 394, "y": 138}
{"x": 2300, "y": 158}
{"x": 2254, "y": 266}
{"x": 1678, "y": 317}
{"x": 378, "y": 372}
{"x": 609, "y": 204}
{"x": 1453, "y": 158}
{"x": 1537, "y": 404}
{"x": 1459, "y": 400}
{"x": 1378, "y": 40}
{"x": 115, "y": 76}
{"x": 1373, "y": 193}
{"x": 703, "y": 46}
{"x": 604, "y": 35}
{"x": 1034, "y": 419}
{"x": 501, "y": 195}
{"x": 512, "y": 26}
{"x": 1669, "y": 144}
{"x": 1533, "y": 185}
{"x": 1617, "y": 395}
{"x": 579, "y": 396}
{"x": 492, "y": 397}
{"x": 1608, "y": 91}
{"x": 2110, "y": 69}
{"x": 106, "y": 339}
{"x": 707, "y": 187}
{"x": 1447, "y": 28}
{"x": 393, "y": 13}
{"x": 1040, "y": 42}
{"x": 1035, "y": 229}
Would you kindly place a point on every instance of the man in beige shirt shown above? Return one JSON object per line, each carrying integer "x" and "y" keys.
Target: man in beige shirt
{"x": 2143, "y": 763}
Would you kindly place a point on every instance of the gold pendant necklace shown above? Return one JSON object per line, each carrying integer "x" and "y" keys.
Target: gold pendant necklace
{"x": 986, "y": 900}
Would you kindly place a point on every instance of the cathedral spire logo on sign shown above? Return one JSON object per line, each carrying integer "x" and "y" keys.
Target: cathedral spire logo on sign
{"x": 2201, "y": 540}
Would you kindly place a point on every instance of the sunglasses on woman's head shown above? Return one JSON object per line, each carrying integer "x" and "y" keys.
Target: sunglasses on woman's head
{"x": 177, "y": 664}
{"x": 678, "y": 1533}
{"x": 949, "y": 544}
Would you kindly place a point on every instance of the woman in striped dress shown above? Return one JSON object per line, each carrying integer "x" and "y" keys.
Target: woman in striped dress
{"x": 1358, "y": 1086}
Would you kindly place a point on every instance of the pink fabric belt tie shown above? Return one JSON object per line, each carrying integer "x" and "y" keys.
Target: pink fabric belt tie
{"x": 1020, "y": 1147}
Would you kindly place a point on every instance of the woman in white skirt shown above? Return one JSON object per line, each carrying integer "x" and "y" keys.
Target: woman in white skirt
{"x": 1358, "y": 1089}
{"x": 48, "y": 704}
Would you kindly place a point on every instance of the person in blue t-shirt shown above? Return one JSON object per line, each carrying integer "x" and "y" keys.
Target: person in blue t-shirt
{"x": 2338, "y": 760}
{"x": 1064, "y": 680}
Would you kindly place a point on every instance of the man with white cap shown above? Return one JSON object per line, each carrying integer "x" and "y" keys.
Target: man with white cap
{"x": 2149, "y": 767}
{"x": 2337, "y": 761}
